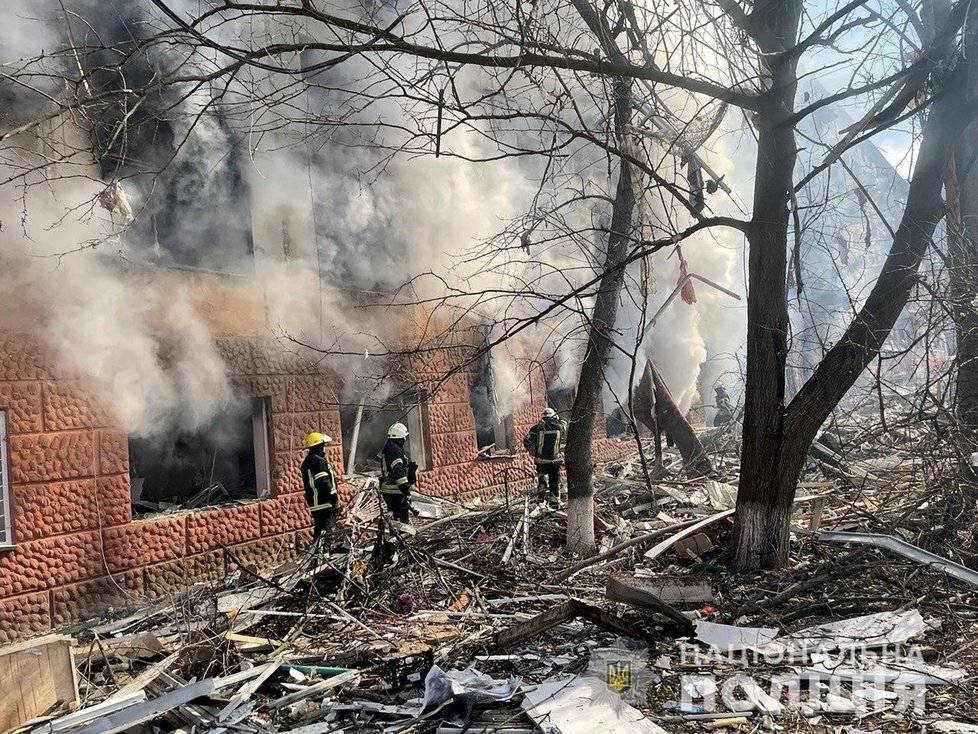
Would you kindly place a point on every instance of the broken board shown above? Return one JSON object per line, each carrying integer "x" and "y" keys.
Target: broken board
{"x": 635, "y": 593}
{"x": 34, "y": 676}
{"x": 685, "y": 590}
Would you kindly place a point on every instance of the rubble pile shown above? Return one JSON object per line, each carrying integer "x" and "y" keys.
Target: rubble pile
{"x": 473, "y": 618}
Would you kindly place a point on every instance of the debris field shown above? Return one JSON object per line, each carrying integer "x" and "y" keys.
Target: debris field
{"x": 473, "y": 618}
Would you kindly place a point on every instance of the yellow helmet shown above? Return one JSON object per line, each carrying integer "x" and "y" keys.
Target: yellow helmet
{"x": 315, "y": 439}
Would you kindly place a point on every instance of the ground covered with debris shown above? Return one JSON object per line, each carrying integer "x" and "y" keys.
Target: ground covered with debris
{"x": 474, "y": 620}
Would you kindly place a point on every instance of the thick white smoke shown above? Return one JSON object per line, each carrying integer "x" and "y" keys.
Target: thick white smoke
{"x": 326, "y": 212}
{"x": 137, "y": 341}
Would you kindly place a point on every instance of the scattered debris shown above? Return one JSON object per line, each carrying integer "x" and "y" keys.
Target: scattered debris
{"x": 475, "y": 621}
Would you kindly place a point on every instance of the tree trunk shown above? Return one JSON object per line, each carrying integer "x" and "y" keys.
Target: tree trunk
{"x": 963, "y": 262}
{"x": 769, "y": 472}
{"x": 652, "y": 394}
{"x": 578, "y": 458}
{"x": 580, "y": 466}
{"x": 761, "y": 526}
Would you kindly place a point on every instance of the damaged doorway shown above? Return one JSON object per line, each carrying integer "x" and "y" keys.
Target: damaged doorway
{"x": 364, "y": 430}
{"x": 223, "y": 461}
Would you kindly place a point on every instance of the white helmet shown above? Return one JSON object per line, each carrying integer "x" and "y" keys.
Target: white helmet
{"x": 398, "y": 430}
{"x": 549, "y": 413}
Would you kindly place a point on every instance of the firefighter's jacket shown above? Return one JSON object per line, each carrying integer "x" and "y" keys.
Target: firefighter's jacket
{"x": 394, "y": 465}
{"x": 319, "y": 483}
{"x": 545, "y": 440}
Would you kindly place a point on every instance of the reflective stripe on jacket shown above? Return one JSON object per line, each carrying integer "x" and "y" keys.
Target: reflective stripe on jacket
{"x": 319, "y": 483}
{"x": 547, "y": 439}
{"x": 393, "y": 470}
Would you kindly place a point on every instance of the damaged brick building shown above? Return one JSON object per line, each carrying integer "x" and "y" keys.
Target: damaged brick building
{"x": 72, "y": 544}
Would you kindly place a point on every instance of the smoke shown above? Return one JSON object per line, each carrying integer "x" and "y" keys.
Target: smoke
{"x": 308, "y": 207}
{"x": 135, "y": 339}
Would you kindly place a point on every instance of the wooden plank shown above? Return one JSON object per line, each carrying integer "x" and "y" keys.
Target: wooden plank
{"x": 146, "y": 677}
{"x": 34, "y": 676}
{"x": 557, "y": 614}
{"x": 677, "y": 589}
{"x": 248, "y": 689}
{"x": 666, "y": 544}
{"x": 608, "y": 621}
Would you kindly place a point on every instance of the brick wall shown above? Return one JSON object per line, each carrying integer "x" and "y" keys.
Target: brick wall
{"x": 78, "y": 549}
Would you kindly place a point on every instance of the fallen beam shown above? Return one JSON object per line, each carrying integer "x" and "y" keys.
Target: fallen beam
{"x": 666, "y": 544}
{"x": 904, "y": 549}
{"x": 563, "y": 612}
{"x": 632, "y": 591}
{"x": 321, "y": 687}
{"x": 618, "y": 549}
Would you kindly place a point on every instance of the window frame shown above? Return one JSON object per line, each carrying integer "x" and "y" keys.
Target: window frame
{"x": 6, "y": 508}
{"x": 261, "y": 425}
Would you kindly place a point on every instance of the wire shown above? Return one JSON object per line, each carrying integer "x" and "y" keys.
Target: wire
{"x": 271, "y": 67}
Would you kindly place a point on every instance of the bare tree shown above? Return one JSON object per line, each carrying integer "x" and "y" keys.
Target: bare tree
{"x": 569, "y": 88}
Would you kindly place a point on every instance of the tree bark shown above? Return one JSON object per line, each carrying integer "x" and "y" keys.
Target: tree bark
{"x": 963, "y": 264}
{"x": 763, "y": 504}
{"x": 652, "y": 394}
{"x": 578, "y": 457}
{"x": 769, "y": 472}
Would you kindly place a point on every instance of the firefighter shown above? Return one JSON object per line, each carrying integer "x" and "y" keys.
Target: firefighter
{"x": 724, "y": 407}
{"x": 544, "y": 442}
{"x": 319, "y": 482}
{"x": 397, "y": 473}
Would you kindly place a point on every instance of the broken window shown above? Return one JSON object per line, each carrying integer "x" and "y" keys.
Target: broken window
{"x": 6, "y": 516}
{"x": 493, "y": 429}
{"x": 225, "y": 460}
{"x": 364, "y": 430}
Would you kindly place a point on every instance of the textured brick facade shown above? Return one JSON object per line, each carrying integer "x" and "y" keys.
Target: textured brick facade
{"x": 78, "y": 550}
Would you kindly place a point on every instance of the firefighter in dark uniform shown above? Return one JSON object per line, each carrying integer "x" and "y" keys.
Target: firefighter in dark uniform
{"x": 544, "y": 442}
{"x": 397, "y": 473}
{"x": 319, "y": 482}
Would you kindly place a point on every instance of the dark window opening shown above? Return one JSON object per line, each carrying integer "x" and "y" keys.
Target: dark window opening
{"x": 223, "y": 461}
{"x": 493, "y": 428}
{"x": 364, "y": 430}
{"x": 616, "y": 424}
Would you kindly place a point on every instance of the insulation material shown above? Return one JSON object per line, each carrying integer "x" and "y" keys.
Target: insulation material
{"x": 687, "y": 293}
{"x": 883, "y": 628}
